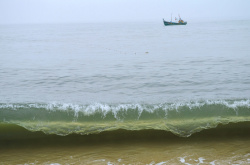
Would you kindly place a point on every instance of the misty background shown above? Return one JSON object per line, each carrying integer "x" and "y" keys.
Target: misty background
{"x": 80, "y": 11}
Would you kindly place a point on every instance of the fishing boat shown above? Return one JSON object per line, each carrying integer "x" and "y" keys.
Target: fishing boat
{"x": 180, "y": 22}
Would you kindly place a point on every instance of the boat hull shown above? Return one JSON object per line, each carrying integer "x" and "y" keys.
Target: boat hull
{"x": 166, "y": 23}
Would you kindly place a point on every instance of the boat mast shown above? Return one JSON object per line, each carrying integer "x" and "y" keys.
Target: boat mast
{"x": 171, "y": 17}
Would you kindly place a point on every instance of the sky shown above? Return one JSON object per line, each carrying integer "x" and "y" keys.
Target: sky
{"x": 80, "y": 11}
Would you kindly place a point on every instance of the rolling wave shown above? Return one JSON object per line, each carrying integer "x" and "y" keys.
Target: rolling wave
{"x": 180, "y": 118}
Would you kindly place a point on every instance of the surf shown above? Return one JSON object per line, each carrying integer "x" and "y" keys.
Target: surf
{"x": 180, "y": 118}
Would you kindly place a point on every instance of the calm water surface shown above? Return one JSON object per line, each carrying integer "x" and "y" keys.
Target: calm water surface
{"x": 124, "y": 62}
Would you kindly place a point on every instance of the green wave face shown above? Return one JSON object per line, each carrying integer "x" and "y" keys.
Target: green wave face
{"x": 180, "y": 118}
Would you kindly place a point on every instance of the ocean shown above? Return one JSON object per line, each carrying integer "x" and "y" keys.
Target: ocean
{"x": 125, "y": 93}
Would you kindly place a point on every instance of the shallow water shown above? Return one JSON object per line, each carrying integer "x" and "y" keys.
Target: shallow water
{"x": 223, "y": 145}
{"x": 203, "y": 153}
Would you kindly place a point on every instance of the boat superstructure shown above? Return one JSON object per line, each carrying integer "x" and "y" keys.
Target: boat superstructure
{"x": 180, "y": 22}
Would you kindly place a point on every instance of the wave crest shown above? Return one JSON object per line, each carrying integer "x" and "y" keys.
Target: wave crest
{"x": 181, "y": 118}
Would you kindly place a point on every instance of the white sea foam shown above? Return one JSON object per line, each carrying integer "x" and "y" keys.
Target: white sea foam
{"x": 182, "y": 160}
{"x": 104, "y": 108}
{"x": 201, "y": 160}
{"x": 161, "y": 163}
{"x": 212, "y": 163}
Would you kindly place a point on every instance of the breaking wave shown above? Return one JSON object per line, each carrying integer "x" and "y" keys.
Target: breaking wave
{"x": 180, "y": 118}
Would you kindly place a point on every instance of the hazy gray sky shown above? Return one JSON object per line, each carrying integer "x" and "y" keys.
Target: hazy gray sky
{"x": 43, "y": 11}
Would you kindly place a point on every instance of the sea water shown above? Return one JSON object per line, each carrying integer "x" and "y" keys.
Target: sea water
{"x": 125, "y": 93}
